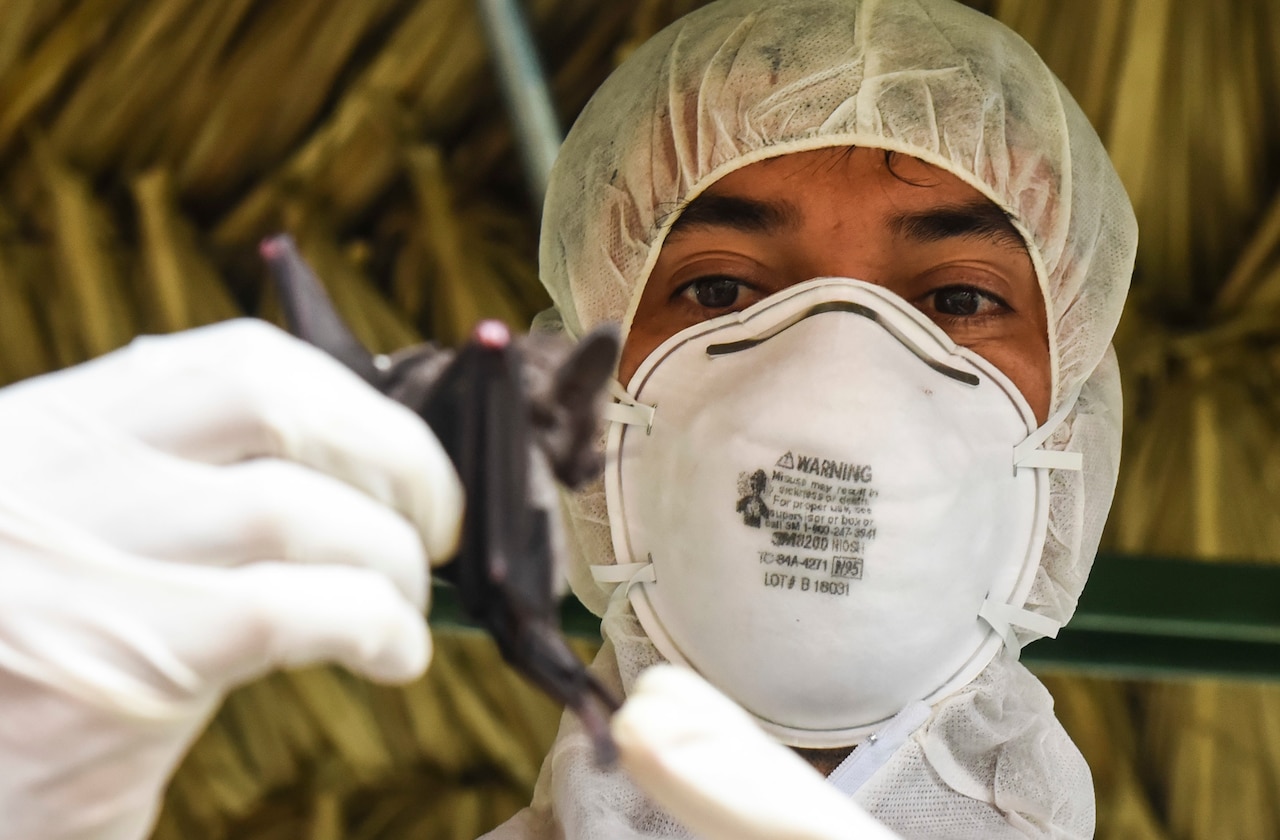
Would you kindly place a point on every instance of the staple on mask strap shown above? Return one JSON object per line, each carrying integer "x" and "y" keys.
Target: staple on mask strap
{"x": 1048, "y": 459}
{"x": 1003, "y": 618}
{"x": 627, "y": 410}
{"x": 634, "y": 414}
{"x": 626, "y": 574}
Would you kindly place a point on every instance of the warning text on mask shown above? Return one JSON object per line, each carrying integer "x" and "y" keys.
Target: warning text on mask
{"x": 815, "y": 517}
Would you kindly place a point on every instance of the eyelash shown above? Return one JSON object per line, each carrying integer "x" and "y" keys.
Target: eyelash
{"x": 928, "y": 303}
{"x": 931, "y": 300}
{"x": 687, "y": 292}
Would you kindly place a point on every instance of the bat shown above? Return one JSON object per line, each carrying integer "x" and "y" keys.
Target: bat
{"x": 515, "y": 414}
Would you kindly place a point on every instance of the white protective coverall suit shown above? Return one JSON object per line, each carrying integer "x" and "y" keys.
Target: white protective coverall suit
{"x": 740, "y": 81}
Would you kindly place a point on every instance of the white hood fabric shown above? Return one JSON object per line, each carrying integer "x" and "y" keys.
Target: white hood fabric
{"x": 739, "y": 81}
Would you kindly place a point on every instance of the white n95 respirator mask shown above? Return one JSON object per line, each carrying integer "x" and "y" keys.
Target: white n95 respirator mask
{"x": 827, "y": 508}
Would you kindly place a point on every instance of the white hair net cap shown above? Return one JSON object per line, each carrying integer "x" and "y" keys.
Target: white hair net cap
{"x": 739, "y": 81}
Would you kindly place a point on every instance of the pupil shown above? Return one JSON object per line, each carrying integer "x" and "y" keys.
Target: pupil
{"x": 958, "y": 302}
{"x": 716, "y": 292}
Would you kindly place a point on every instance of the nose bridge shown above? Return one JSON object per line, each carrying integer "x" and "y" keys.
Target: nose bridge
{"x": 887, "y": 315}
{"x": 849, "y": 247}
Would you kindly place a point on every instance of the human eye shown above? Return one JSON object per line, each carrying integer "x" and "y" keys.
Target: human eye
{"x": 963, "y": 302}
{"x": 717, "y": 291}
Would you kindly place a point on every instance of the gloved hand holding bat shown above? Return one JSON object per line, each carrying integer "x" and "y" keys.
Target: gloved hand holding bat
{"x": 181, "y": 516}
{"x": 195, "y": 510}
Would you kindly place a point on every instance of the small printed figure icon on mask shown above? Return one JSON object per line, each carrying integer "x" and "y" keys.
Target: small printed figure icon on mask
{"x": 751, "y": 505}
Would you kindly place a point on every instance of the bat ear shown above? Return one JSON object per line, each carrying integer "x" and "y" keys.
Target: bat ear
{"x": 309, "y": 312}
{"x": 582, "y": 376}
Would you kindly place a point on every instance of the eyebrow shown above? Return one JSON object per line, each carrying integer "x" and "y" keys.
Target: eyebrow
{"x": 978, "y": 219}
{"x": 748, "y": 215}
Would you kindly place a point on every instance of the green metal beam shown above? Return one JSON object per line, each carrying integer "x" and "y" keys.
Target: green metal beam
{"x": 1139, "y": 618}
{"x": 1150, "y": 617}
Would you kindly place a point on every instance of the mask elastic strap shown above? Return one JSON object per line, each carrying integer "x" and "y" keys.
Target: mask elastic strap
{"x": 627, "y": 410}
{"x": 878, "y": 748}
{"x": 1003, "y": 618}
{"x": 1029, "y": 454}
{"x": 623, "y": 576}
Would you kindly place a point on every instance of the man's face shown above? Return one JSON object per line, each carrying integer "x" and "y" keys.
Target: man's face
{"x": 914, "y": 229}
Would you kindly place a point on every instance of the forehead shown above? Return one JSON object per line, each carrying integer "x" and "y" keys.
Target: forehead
{"x": 879, "y": 191}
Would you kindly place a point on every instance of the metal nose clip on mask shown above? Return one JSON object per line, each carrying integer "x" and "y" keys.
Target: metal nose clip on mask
{"x": 827, "y": 508}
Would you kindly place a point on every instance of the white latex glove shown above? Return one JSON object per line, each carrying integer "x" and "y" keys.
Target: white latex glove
{"x": 180, "y": 516}
{"x": 704, "y": 760}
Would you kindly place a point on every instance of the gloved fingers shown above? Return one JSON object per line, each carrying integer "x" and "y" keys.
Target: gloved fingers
{"x": 702, "y": 758}
{"x": 298, "y": 515}
{"x": 163, "y": 507}
{"x": 148, "y": 638}
{"x": 269, "y": 509}
{"x": 292, "y": 616}
{"x": 244, "y": 389}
